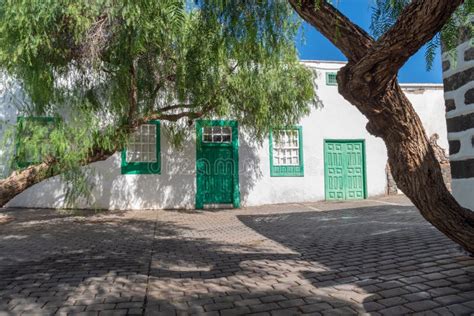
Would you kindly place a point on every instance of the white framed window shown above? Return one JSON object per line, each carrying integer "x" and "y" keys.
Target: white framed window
{"x": 217, "y": 134}
{"x": 286, "y": 147}
{"x": 142, "y": 145}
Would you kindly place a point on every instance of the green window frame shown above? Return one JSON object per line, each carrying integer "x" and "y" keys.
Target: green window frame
{"x": 21, "y": 162}
{"x": 200, "y": 144}
{"x": 331, "y": 78}
{"x": 144, "y": 167}
{"x": 287, "y": 170}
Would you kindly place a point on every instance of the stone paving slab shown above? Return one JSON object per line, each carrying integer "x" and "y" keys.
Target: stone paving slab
{"x": 376, "y": 257}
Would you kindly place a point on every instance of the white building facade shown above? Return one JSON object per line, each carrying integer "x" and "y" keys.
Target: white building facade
{"x": 328, "y": 155}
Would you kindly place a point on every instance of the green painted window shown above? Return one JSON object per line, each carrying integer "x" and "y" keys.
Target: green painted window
{"x": 32, "y": 134}
{"x": 286, "y": 152}
{"x": 142, "y": 155}
{"x": 331, "y": 79}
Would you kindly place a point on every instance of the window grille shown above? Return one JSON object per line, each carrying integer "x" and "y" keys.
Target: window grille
{"x": 217, "y": 134}
{"x": 142, "y": 145}
{"x": 286, "y": 148}
{"x": 331, "y": 79}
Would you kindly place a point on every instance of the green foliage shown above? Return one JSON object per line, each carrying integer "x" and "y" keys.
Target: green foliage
{"x": 431, "y": 49}
{"x": 34, "y": 133}
{"x": 386, "y": 13}
{"x": 81, "y": 54}
{"x": 45, "y": 139}
{"x": 102, "y": 65}
{"x": 462, "y": 21}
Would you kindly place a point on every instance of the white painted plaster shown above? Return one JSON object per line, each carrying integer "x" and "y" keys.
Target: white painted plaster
{"x": 465, "y": 137}
{"x": 175, "y": 187}
{"x": 7, "y": 120}
{"x": 463, "y": 190}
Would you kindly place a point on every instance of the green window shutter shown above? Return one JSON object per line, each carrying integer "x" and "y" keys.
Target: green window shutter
{"x": 27, "y": 154}
{"x": 286, "y": 160}
{"x": 331, "y": 79}
{"x": 144, "y": 152}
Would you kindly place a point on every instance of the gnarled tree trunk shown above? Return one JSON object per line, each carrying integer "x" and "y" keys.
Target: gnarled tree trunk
{"x": 369, "y": 82}
{"x": 21, "y": 180}
{"x": 18, "y": 182}
{"x": 414, "y": 166}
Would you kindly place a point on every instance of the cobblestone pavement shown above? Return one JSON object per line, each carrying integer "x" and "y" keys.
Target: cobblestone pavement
{"x": 368, "y": 257}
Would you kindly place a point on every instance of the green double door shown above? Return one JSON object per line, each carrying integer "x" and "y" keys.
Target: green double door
{"x": 217, "y": 176}
{"x": 344, "y": 164}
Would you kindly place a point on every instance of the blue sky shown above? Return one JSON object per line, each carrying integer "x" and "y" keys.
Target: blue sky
{"x": 315, "y": 46}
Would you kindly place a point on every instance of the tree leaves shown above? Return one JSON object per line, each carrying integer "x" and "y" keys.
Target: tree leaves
{"x": 386, "y": 12}
{"x": 191, "y": 59}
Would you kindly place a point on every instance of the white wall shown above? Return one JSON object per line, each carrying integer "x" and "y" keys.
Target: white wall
{"x": 175, "y": 187}
{"x": 8, "y": 113}
{"x": 429, "y": 105}
{"x": 338, "y": 119}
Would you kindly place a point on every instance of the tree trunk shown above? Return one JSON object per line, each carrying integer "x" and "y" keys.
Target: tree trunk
{"x": 412, "y": 160}
{"x": 19, "y": 181}
{"x": 369, "y": 82}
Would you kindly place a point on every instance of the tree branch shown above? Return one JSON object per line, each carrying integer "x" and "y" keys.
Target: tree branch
{"x": 21, "y": 180}
{"x": 133, "y": 93}
{"x": 378, "y": 61}
{"x": 159, "y": 85}
{"x": 369, "y": 82}
{"x": 174, "y": 107}
{"x": 385, "y": 57}
{"x": 352, "y": 40}
{"x": 174, "y": 117}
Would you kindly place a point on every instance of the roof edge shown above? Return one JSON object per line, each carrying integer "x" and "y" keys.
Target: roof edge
{"x": 413, "y": 85}
{"x": 323, "y": 61}
{"x": 421, "y": 85}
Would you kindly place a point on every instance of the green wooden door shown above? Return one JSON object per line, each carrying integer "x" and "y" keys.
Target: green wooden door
{"x": 334, "y": 165}
{"x": 217, "y": 163}
{"x": 217, "y": 175}
{"x": 344, "y": 169}
{"x": 355, "y": 175}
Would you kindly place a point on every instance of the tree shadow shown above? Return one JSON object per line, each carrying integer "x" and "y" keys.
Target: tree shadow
{"x": 340, "y": 262}
{"x": 173, "y": 187}
{"x": 55, "y": 263}
{"x": 390, "y": 253}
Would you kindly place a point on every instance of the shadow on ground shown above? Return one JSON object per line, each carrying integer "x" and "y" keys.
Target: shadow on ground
{"x": 376, "y": 259}
{"x": 391, "y": 253}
